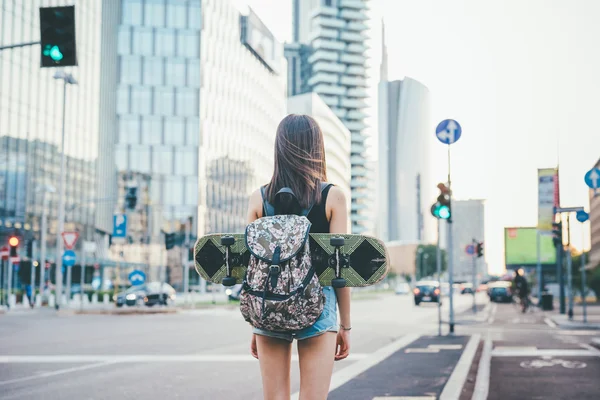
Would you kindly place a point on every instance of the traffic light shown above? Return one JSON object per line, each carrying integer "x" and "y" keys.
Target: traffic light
{"x": 169, "y": 240}
{"x": 13, "y": 242}
{"x": 441, "y": 208}
{"x": 479, "y": 249}
{"x": 131, "y": 198}
{"x": 557, "y": 234}
{"x": 57, "y": 36}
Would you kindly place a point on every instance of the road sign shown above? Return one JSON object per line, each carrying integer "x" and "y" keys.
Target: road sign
{"x": 69, "y": 239}
{"x": 4, "y": 251}
{"x": 15, "y": 261}
{"x": 470, "y": 249}
{"x": 592, "y": 178}
{"x": 137, "y": 277}
{"x": 582, "y": 216}
{"x": 69, "y": 258}
{"x": 448, "y": 131}
{"x": 119, "y": 226}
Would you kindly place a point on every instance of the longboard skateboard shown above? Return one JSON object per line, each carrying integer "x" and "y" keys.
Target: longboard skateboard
{"x": 339, "y": 260}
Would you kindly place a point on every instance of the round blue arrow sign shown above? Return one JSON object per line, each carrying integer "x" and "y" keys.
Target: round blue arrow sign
{"x": 137, "y": 277}
{"x": 582, "y": 216}
{"x": 448, "y": 131}
{"x": 69, "y": 258}
{"x": 592, "y": 178}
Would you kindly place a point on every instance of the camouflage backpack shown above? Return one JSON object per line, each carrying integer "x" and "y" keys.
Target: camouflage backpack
{"x": 281, "y": 291}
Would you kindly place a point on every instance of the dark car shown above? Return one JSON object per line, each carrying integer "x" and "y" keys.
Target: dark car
{"x": 148, "y": 294}
{"x": 500, "y": 292}
{"x": 428, "y": 291}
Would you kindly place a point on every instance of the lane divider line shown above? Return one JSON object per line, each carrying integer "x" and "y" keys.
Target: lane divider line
{"x": 454, "y": 386}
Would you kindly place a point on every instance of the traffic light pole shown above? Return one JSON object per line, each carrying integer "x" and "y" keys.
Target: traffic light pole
{"x": 9, "y": 282}
{"x": 569, "y": 268}
{"x": 438, "y": 265}
{"x": 61, "y": 208}
{"x": 12, "y": 46}
{"x": 450, "y": 261}
{"x": 473, "y": 273}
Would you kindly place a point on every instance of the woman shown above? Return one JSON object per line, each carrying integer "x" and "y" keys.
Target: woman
{"x": 300, "y": 165}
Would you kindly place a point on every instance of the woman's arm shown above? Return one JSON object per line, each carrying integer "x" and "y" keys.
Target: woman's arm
{"x": 337, "y": 209}
{"x": 254, "y": 206}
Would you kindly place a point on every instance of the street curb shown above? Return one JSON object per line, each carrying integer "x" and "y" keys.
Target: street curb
{"x": 118, "y": 312}
{"x": 564, "y": 323}
{"x": 454, "y": 386}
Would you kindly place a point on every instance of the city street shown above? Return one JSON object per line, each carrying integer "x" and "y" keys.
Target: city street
{"x": 204, "y": 353}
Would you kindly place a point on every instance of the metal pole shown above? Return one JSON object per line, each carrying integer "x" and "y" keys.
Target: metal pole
{"x": 561, "y": 278}
{"x": 9, "y": 282}
{"x": 186, "y": 264}
{"x": 569, "y": 267}
{"x": 450, "y": 261}
{"x": 438, "y": 264}
{"x": 12, "y": 46}
{"x": 539, "y": 268}
{"x": 82, "y": 279}
{"x": 473, "y": 272}
{"x": 43, "y": 243}
{"x": 32, "y": 275}
{"x": 2, "y": 281}
{"x": 61, "y": 207}
{"x": 583, "y": 288}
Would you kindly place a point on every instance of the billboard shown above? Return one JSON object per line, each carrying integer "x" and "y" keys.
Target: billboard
{"x": 547, "y": 197}
{"x": 259, "y": 39}
{"x": 520, "y": 248}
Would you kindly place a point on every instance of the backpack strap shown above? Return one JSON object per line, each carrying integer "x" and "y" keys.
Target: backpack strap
{"x": 270, "y": 210}
{"x": 324, "y": 185}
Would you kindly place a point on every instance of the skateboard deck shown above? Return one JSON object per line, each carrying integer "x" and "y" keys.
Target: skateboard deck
{"x": 366, "y": 258}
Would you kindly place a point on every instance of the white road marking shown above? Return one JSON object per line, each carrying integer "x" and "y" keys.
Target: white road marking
{"x": 515, "y": 348}
{"x": 454, "y": 386}
{"x": 422, "y": 350}
{"x": 482, "y": 384}
{"x": 492, "y": 315}
{"x": 142, "y": 358}
{"x": 346, "y": 374}
{"x": 54, "y": 373}
{"x": 404, "y": 398}
{"x": 590, "y": 348}
{"x": 550, "y": 323}
{"x": 577, "y": 333}
{"x": 544, "y": 352}
{"x": 446, "y": 346}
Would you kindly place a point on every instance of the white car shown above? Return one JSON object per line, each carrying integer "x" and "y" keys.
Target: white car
{"x": 403, "y": 288}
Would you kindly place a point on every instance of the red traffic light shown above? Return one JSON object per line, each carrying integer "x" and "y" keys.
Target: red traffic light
{"x": 13, "y": 241}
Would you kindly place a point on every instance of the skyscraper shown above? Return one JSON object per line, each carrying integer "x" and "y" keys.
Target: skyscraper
{"x": 405, "y": 186}
{"x": 328, "y": 57}
{"x": 468, "y": 224}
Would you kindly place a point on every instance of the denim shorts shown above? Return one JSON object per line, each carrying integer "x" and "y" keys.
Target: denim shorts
{"x": 327, "y": 322}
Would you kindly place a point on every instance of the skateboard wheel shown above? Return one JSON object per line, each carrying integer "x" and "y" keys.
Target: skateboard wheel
{"x": 338, "y": 283}
{"x": 227, "y": 240}
{"x": 337, "y": 241}
{"x": 228, "y": 280}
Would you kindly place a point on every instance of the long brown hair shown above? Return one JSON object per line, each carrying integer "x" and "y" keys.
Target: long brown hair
{"x": 299, "y": 160}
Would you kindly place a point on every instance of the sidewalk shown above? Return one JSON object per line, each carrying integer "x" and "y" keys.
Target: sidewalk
{"x": 562, "y": 320}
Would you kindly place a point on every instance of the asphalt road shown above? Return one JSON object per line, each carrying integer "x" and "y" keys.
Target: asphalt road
{"x": 199, "y": 354}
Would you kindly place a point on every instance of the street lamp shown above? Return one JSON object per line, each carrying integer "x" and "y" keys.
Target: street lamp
{"x": 68, "y": 79}
{"x": 45, "y": 189}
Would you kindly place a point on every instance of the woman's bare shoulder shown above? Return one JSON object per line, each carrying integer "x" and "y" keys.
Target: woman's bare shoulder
{"x": 336, "y": 196}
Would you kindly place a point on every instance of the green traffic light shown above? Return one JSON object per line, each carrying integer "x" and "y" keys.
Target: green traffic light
{"x": 53, "y": 52}
{"x": 443, "y": 212}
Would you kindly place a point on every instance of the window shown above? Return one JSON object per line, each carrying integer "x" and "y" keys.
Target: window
{"x": 185, "y": 161}
{"x": 165, "y": 42}
{"x": 193, "y": 73}
{"x": 162, "y": 160}
{"x": 153, "y": 71}
{"x": 175, "y": 72}
{"x": 141, "y": 100}
{"x": 152, "y": 128}
{"x": 129, "y": 129}
{"x": 187, "y": 102}
{"x": 195, "y": 16}
{"x": 328, "y": 3}
{"x": 164, "y": 101}
{"x": 131, "y": 69}
{"x": 123, "y": 100}
{"x": 188, "y": 43}
{"x": 173, "y": 193}
{"x": 174, "y": 131}
{"x": 193, "y": 131}
{"x": 121, "y": 157}
{"x": 176, "y": 14}
{"x": 124, "y": 40}
{"x": 154, "y": 13}
{"x": 191, "y": 192}
{"x": 132, "y": 12}
{"x": 143, "y": 42}
{"x": 140, "y": 159}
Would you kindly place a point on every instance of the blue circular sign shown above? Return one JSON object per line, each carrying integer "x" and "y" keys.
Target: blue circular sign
{"x": 448, "y": 131}
{"x": 137, "y": 277}
{"x": 582, "y": 216}
{"x": 69, "y": 258}
{"x": 592, "y": 178}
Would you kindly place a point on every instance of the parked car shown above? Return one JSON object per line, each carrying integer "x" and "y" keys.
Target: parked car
{"x": 403, "y": 288}
{"x": 148, "y": 294}
{"x": 427, "y": 291}
{"x": 466, "y": 288}
{"x": 500, "y": 292}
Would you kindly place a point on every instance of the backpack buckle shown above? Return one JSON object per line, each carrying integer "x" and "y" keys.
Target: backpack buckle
{"x": 275, "y": 269}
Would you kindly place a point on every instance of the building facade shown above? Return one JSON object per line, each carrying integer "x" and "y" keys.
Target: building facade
{"x": 335, "y": 135}
{"x": 185, "y": 117}
{"x": 594, "y": 258}
{"x": 335, "y": 65}
{"x": 467, "y": 224}
{"x": 31, "y": 123}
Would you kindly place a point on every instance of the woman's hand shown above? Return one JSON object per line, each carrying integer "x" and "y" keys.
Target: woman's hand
{"x": 342, "y": 347}
{"x": 253, "y": 350}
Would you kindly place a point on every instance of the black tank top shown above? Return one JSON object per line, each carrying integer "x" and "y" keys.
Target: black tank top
{"x": 318, "y": 214}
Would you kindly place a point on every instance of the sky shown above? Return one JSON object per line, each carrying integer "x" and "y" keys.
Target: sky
{"x": 522, "y": 79}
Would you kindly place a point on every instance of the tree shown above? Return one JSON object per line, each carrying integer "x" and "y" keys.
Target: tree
{"x": 426, "y": 262}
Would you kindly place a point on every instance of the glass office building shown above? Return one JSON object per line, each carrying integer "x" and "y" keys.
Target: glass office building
{"x": 31, "y": 104}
